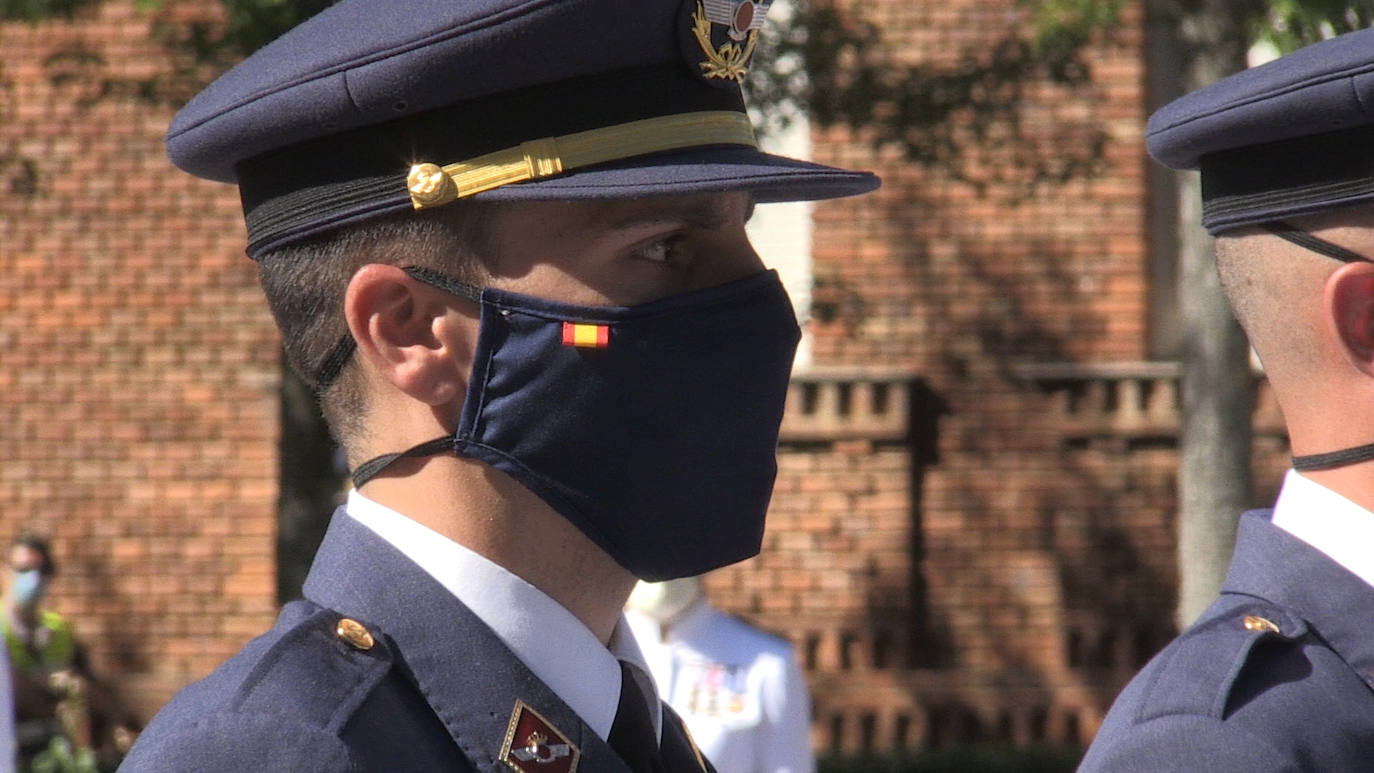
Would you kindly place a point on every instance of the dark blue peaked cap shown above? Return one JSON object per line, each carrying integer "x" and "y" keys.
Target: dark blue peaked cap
{"x": 374, "y": 107}
{"x": 1291, "y": 137}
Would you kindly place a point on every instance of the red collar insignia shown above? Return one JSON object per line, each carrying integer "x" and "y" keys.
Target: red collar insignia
{"x": 535, "y": 746}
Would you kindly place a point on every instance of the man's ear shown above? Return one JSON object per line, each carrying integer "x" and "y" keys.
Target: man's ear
{"x": 1348, "y": 298}
{"x": 403, "y": 331}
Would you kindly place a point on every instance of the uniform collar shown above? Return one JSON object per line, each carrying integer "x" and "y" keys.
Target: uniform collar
{"x": 1328, "y": 522}
{"x": 546, "y": 637}
{"x": 470, "y": 679}
{"x": 1271, "y": 564}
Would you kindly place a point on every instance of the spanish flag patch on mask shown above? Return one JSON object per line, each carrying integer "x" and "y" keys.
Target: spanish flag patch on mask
{"x": 586, "y": 336}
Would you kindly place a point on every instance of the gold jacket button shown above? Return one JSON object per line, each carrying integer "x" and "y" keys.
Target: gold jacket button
{"x": 1257, "y": 623}
{"x": 354, "y": 634}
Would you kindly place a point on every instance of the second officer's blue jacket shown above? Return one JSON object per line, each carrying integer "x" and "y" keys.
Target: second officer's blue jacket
{"x": 1276, "y": 675}
{"x": 419, "y": 684}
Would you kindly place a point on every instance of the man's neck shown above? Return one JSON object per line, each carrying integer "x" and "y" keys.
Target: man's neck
{"x": 1355, "y": 482}
{"x": 487, "y": 512}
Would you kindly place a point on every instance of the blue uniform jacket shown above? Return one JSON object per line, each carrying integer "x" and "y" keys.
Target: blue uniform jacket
{"x": 1276, "y": 675}
{"x": 435, "y": 691}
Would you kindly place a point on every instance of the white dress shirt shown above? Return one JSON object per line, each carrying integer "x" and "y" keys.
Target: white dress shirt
{"x": 552, "y": 643}
{"x": 1328, "y": 522}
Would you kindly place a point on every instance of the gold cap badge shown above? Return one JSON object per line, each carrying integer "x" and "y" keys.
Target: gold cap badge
{"x": 726, "y": 32}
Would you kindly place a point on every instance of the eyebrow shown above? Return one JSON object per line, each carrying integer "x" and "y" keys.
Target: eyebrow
{"x": 697, "y": 213}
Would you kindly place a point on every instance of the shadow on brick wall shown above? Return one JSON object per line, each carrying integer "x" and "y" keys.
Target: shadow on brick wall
{"x": 1038, "y": 467}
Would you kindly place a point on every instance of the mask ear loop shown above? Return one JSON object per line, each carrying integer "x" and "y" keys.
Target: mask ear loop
{"x": 444, "y": 282}
{"x": 342, "y": 352}
{"x": 1333, "y": 459}
{"x": 373, "y": 467}
{"x": 1306, "y": 240}
{"x": 1295, "y": 235}
{"x": 334, "y": 363}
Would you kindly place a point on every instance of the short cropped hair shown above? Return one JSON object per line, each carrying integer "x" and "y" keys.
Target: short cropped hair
{"x": 305, "y": 286}
{"x": 1267, "y": 282}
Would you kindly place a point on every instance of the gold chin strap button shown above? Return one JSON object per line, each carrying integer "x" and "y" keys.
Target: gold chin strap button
{"x": 354, "y": 634}
{"x": 1262, "y": 624}
{"x": 430, "y": 185}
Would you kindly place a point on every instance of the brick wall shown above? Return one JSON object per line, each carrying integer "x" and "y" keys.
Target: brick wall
{"x": 997, "y": 571}
{"x": 1001, "y": 592}
{"x": 138, "y": 365}
{"x": 970, "y": 538}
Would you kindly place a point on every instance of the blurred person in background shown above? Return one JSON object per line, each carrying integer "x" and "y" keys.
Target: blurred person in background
{"x": 60, "y": 707}
{"x": 8, "y": 749}
{"x": 739, "y": 689}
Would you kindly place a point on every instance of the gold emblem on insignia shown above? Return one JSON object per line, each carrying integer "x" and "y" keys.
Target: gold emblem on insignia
{"x": 1257, "y": 623}
{"x": 536, "y": 750}
{"x": 544, "y": 750}
{"x": 741, "y": 20}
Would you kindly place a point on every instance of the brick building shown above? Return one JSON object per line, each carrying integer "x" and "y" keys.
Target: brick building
{"x": 973, "y": 532}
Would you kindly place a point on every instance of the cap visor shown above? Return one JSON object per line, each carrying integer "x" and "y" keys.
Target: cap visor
{"x": 699, "y": 170}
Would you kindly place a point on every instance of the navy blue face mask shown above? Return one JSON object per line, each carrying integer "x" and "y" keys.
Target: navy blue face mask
{"x": 652, "y": 428}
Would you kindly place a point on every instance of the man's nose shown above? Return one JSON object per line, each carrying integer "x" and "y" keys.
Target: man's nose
{"x": 737, "y": 261}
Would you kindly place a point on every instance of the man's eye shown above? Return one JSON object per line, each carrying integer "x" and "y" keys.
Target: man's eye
{"x": 661, "y": 251}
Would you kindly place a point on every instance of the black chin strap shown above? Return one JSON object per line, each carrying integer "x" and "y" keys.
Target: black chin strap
{"x": 1334, "y": 459}
{"x": 1306, "y": 240}
{"x": 373, "y": 467}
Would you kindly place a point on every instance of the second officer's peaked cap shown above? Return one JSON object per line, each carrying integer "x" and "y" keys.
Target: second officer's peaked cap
{"x": 1291, "y": 137}
{"x": 374, "y": 107}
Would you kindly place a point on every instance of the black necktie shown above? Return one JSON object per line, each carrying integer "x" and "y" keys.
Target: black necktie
{"x": 632, "y": 734}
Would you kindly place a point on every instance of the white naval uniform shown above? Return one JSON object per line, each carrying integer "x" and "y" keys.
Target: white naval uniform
{"x": 740, "y": 690}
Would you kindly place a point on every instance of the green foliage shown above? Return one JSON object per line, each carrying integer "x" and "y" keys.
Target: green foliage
{"x": 1063, "y": 27}
{"x": 254, "y": 23}
{"x": 249, "y": 25}
{"x": 37, "y": 10}
{"x": 973, "y": 758}
{"x": 60, "y": 757}
{"x": 966, "y": 119}
{"x": 1291, "y": 24}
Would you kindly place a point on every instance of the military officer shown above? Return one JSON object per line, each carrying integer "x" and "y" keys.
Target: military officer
{"x": 1277, "y": 674}
{"x": 740, "y": 690}
{"x": 504, "y": 240}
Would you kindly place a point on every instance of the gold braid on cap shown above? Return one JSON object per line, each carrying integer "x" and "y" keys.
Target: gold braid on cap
{"x": 431, "y": 185}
